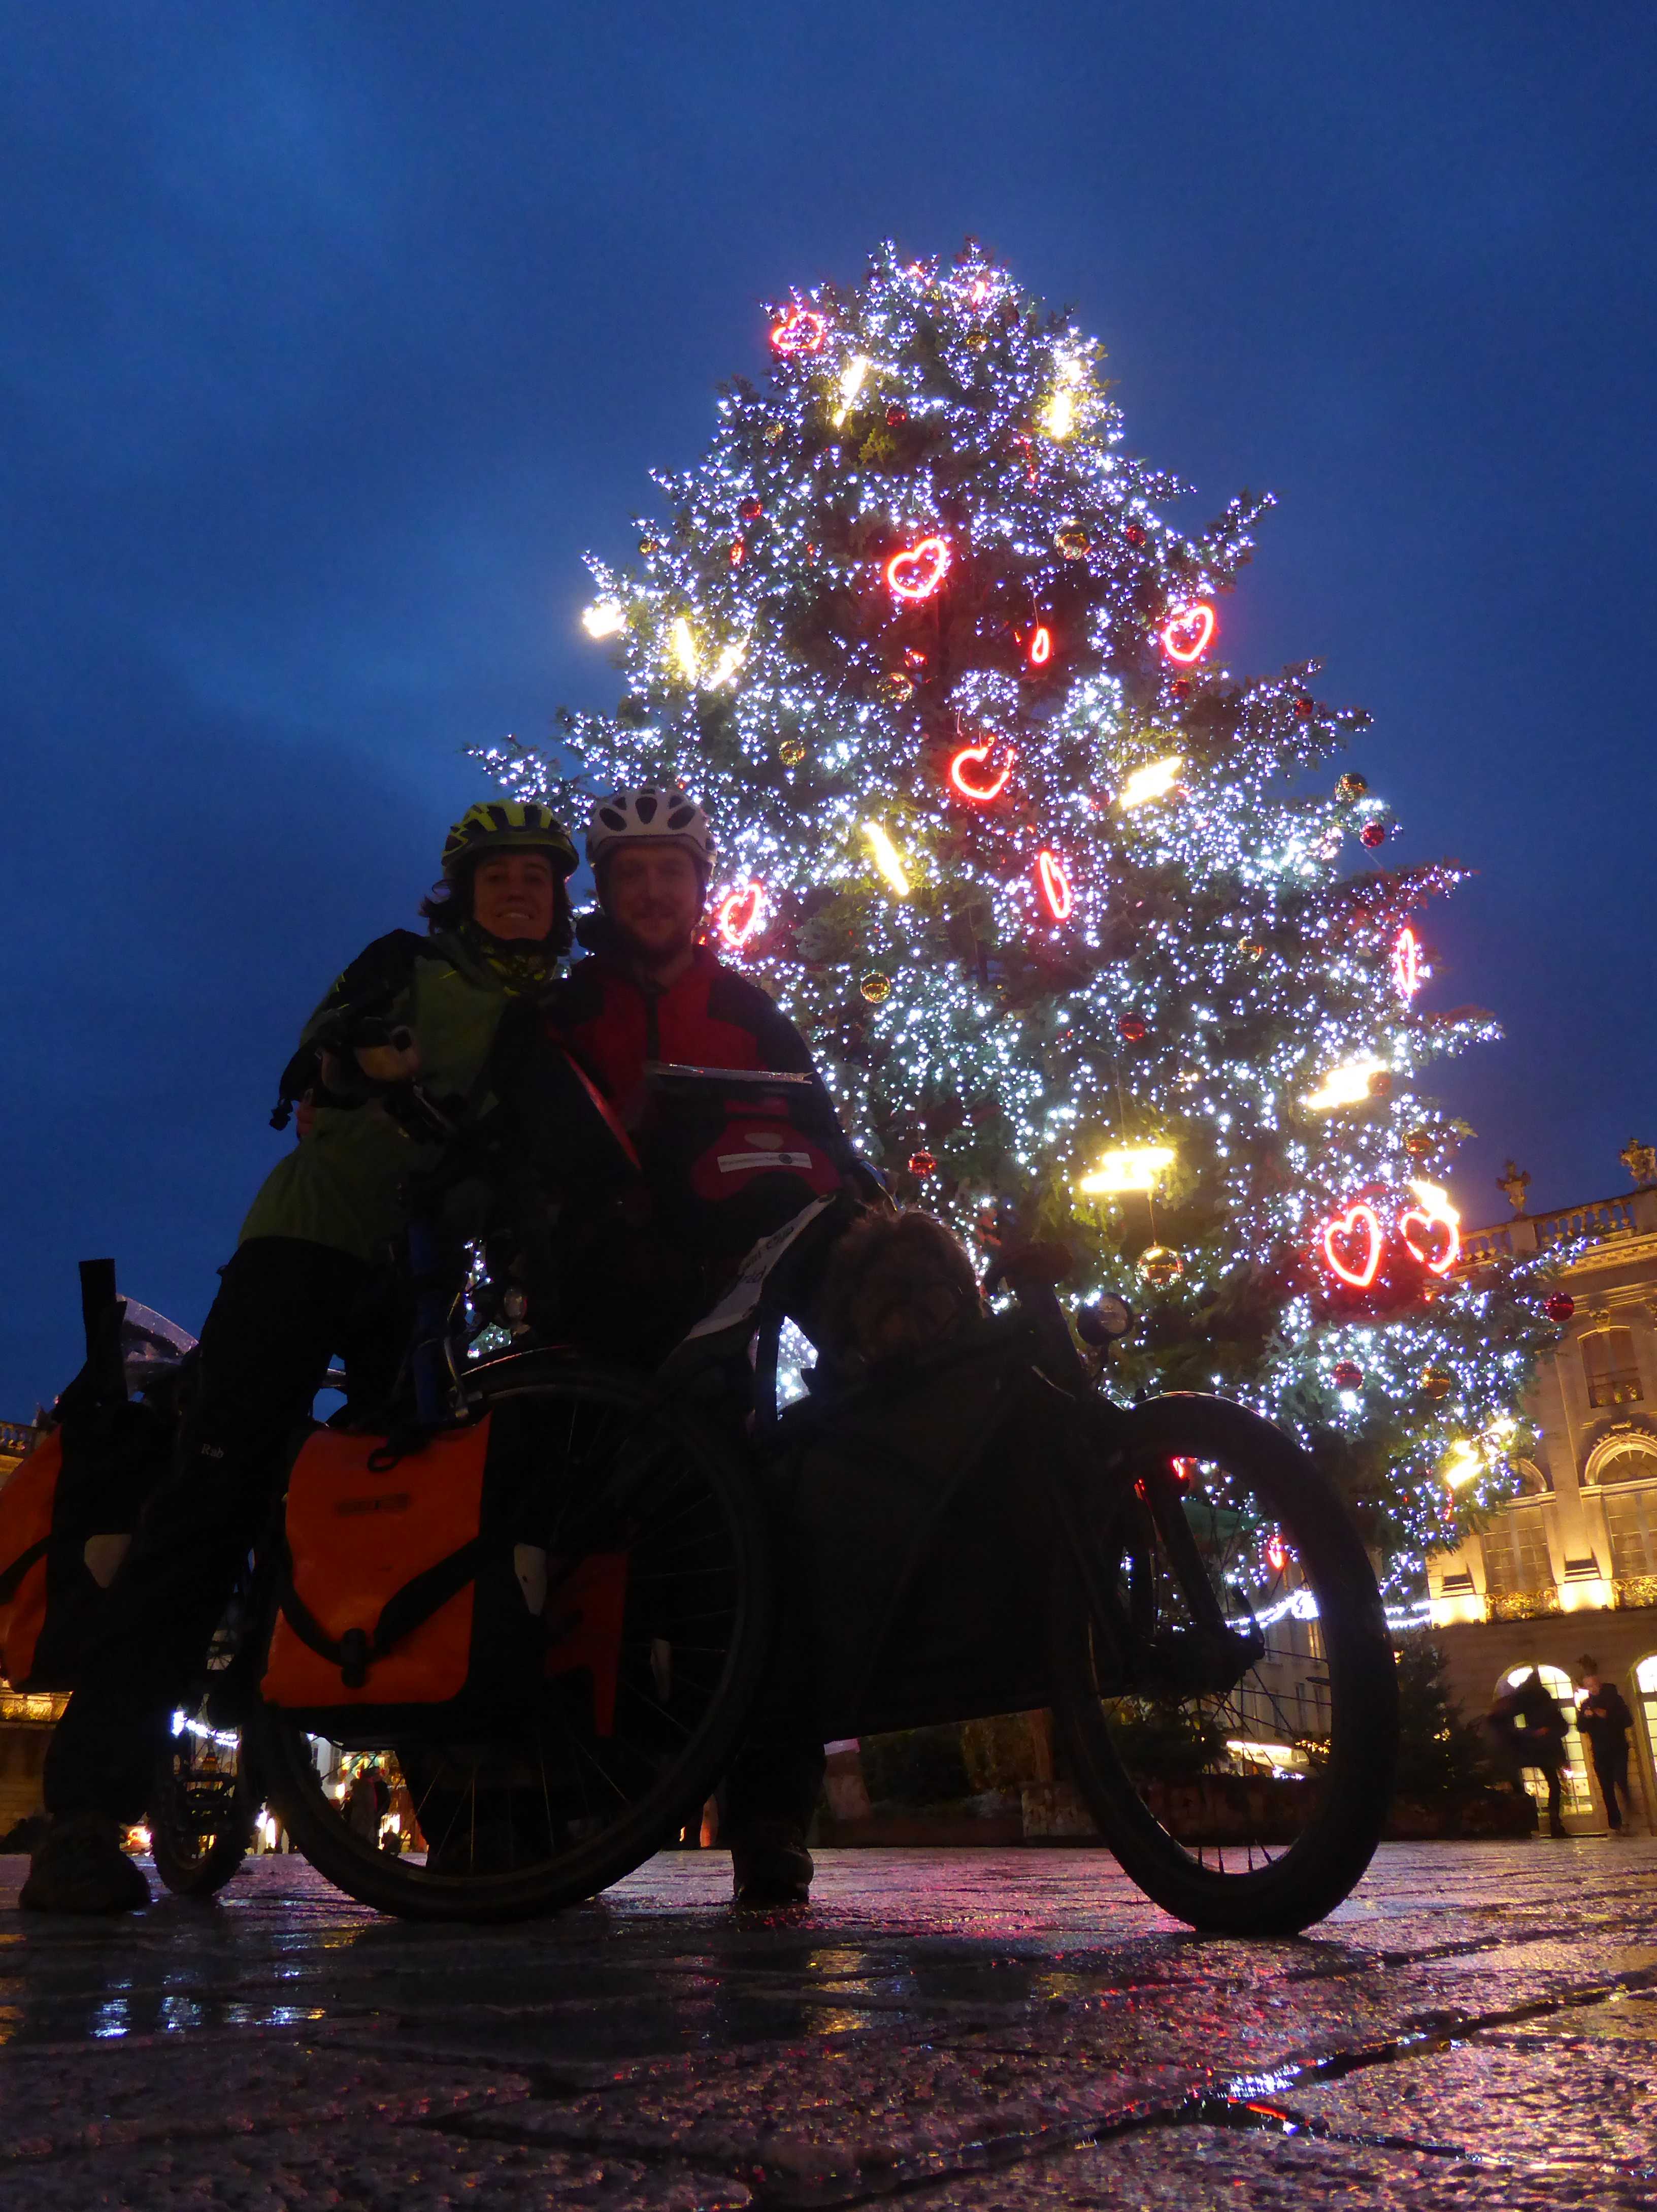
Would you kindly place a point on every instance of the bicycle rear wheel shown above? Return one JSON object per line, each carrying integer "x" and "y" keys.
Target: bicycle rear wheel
{"x": 639, "y": 1508}
{"x": 1232, "y": 1722}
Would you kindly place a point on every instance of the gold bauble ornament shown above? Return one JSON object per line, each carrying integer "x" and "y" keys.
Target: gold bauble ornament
{"x": 1251, "y": 950}
{"x": 791, "y": 752}
{"x": 1436, "y": 1381}
{"x": 978, "y": 340}
{"x": 1351, "y": 786}
{"x": 1074, "y": 543}
{"x": 774, "y": 433}
{"x": 650, "y": 544}
{"x": 876, "y": 989}
{"x": 900, "y": 686}
{"x": 1419, "y": 1144}
{"x": 1161, "y": 1265}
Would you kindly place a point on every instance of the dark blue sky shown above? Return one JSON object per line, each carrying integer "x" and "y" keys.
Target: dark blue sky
{"x": 331, "y": 336}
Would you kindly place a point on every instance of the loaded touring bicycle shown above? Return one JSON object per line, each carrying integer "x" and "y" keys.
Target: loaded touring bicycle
{"x": 497, "y": 1649}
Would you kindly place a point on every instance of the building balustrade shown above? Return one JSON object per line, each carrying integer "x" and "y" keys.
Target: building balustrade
{"x": 1521, "y": 1605}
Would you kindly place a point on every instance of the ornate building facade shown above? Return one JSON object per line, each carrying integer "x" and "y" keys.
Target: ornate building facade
{"x": 1568, "y": 1570}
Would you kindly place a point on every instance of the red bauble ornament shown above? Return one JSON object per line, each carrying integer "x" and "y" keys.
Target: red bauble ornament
{"x": 1559, "y": 1306}
{"x": 1134, "y": 1027}
{"x": 738, "y": 552}
{"x": 750, "y": 510}
{"x": 1372, "y": 834}
{"x": 921, "y": 1164}
{"x": 1347, "y": 1375}
{"x": 1180, "y": 687}
{"x": 895, "y": 417}
{"x": 1133, "y": 534}
{"x": 1306, "y": 709}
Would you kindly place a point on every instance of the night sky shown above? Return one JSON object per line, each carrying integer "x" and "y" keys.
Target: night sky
{"x": 331, "y": 336}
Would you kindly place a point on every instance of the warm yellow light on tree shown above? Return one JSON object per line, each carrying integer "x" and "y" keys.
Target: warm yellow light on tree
{"x": 1153, "y": 782}
{"x": 851, "y": 383}
{"x": 725, "y": 667}
{"x": 604, "y": 618}
{"x": 1128, "y": 1167}
{"x": 1058, "y": 415}
{"x": 1345, "y": 1086}
{"x": 1463, "y": 1463}
{"x": 886, "y": 858}
{"x": 682, "y": 647}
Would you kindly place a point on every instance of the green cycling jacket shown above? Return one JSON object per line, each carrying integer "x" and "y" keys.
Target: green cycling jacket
{"x": 340, "y": 1185}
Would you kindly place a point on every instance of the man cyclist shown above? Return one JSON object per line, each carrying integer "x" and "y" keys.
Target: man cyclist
{"x": 651, "y": 989}
{"x": 293, "y": 1294}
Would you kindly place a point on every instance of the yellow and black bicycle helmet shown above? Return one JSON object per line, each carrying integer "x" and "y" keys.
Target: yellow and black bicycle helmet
{"x": 512, "y": 826}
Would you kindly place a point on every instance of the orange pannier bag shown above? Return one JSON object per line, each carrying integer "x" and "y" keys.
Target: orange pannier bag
{"x": 66, "y": 1515}
{"x": 26, "y": 1504}
{"x": 403, "y": 1587}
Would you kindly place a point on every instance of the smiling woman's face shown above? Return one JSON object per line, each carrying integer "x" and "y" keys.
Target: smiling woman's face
{"x": 514, "y": 895}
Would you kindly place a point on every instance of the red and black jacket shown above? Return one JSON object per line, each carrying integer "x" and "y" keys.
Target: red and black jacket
{"x": 612, "y": 1023}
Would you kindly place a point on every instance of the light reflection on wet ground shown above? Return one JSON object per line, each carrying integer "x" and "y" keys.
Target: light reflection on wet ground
{"x": 977, "y": 2029}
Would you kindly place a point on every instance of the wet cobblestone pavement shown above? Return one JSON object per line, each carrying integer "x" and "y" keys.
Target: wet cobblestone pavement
{"x": 1476, "y": 2027}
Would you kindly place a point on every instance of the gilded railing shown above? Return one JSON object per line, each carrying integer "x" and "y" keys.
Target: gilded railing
{"x": 1520, "y": 1605}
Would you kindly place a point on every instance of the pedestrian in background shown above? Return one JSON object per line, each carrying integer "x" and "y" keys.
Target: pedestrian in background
{"x": 1603, "y": 1716}
{"x": 1530, "y": 1729}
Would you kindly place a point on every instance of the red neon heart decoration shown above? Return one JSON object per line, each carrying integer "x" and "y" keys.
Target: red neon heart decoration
{"x": 741, "y": 915}
{"x": 1443, "y": 1248}
{"x": 1351, "y": 1245}
{"x": 1189, "y": 632}
{"x": 917, "y": 572}
{"x": 975, "y": 787}
{"x": 799, "y": 331}
{"x": 1053, "y": 879}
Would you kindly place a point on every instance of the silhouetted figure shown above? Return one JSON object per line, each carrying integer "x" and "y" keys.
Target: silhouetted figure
{"x": 1530, "y": 1729}
{"x": 1604, "y": 1717}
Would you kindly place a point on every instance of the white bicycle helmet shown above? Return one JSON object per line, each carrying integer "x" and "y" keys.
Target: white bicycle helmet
{"x": 626, "y": 816}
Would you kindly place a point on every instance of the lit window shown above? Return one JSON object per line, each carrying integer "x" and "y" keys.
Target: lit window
{"x": 1609, "y": 1364}
{"x": 1516, "y": 1553}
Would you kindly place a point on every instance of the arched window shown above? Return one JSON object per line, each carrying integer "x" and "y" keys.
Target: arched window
{"x": 1608, "y": 1363}
{"x": 1533, "y": 1481}
{"x": 1625, "y": 1470}
{"x": 1573, "y": 1776}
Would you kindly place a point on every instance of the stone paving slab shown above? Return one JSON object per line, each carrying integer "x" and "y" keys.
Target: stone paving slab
{"x": 1476, "y": 2025}
{"x": 373, "y": 2169}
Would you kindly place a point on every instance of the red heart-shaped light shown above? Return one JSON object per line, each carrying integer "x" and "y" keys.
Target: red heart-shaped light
{"x": 1189, "y": 632}
{"x": 740, "y": 914}
{"x": 1441, "y": 1245}
{"x": 978, "y": 787}
{"x": 918, "y": 570}
{"x": 1052, "y": 879}
{"x": 1351, "y": 1245}
{"x": 799, "y": 331}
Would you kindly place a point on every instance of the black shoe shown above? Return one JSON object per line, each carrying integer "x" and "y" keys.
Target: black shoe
{"x": 770, "y": 1865}
{"x": 79, "y": 1867}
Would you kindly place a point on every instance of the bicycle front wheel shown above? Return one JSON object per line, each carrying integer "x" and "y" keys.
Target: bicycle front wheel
{"x": 646, "y": 1560}
{"x": 1223, "y": 1678}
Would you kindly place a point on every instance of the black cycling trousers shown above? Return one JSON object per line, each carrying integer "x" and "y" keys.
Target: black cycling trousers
{"x": 285, "y": 1305}
{"x": 1611, "y": 1772}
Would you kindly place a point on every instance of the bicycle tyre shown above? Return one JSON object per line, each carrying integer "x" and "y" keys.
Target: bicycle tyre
{"x": 192, "y": 1858}
{"x": 709, "y": 1488}
{"x": 1163, "y": 1836}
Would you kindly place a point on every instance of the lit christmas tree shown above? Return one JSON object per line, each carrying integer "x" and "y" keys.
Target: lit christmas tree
{"x": 1078, "y": 943}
